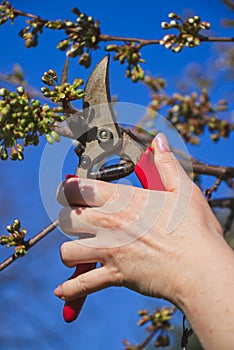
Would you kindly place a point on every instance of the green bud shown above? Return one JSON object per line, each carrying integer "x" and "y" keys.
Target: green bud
{"x": 16, "y": 224}
{"x": 30, "y": 126}
{"x": 190, "y": 20}
{"x": 9, "y": 228}
{"x": 69, "y": 23}
{"x": 177, "y": 48}
{"x": 55, "y": 136}
{"x": 77, "y": 83}
{"x": 3, "y": 20}
{"x": 3, "y": 240}
{"x": 93, "y": 39}
{"x": 35, "y": 103}
{"x": 20, "y": 250}
{"x": 111, "y": 47}
{"x": 197, "y": 19}
{"x": 19, "y": 147}
{"x": 20, "y": 156}
{"x": 196, "y": 41}
{"x": 49, "y": 139}
{"x": 63, "y": 45}
{"x": 173, "y": 15}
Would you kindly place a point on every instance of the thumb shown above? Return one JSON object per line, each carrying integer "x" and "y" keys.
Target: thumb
{"x": 170, "y": 170}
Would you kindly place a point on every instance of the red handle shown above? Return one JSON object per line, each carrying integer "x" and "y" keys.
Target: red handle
{"x": 71, "y": 309}
{"x": 147, "y": 172}
{"x": 149, "y": 177}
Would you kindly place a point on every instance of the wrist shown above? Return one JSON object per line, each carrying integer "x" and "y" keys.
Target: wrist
{"x": 206, "y": 297}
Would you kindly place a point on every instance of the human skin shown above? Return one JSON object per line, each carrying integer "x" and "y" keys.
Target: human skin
{"x": 180, "y": 256}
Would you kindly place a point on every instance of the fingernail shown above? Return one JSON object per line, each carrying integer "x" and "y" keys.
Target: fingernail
{"x": 150, "y": 149}
{"x": 162, "y": 143}
{"x": 69, "y": 176}
{"x": 58, "y": 292}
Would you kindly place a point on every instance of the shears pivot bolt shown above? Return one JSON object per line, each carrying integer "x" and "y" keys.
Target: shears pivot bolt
{"x": 85, "y": 162}
{"x": 104, "y": 135}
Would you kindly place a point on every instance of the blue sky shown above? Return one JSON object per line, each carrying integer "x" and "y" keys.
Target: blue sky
{"x": 30, "y": 315}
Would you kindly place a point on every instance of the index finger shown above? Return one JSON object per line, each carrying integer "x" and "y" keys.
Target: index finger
{"x": 85, "y": 192}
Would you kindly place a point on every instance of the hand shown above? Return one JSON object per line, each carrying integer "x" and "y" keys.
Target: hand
{"x": 145, "y": 240}
{"x": 164, "y": 244}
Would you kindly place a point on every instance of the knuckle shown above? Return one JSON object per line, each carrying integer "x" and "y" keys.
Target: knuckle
{"x": 116, "y": 276}
{"x": 64, "y": 218}
{"x": 82, "y": 284}
{"x": 110, "y": 221}
{"x": 63, "y": 253}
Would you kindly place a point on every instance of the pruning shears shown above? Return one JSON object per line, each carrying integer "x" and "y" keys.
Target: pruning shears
{"x": 99, "y": 137}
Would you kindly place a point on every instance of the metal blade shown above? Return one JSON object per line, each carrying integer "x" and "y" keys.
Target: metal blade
{"x": 97, "y": 88}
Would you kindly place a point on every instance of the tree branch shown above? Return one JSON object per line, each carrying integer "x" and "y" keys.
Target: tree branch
{"x": 107, "y": 37}
{"x": 222, "y": 203}
{"x": 30, "y": 243}
{"x": 221, "y": 172}
{"x": 216, "y": 39}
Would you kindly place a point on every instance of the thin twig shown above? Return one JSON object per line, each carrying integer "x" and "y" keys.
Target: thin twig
{"x": 147, "y": 340}
{"x": 30, "y": 243}
{"x": 209, "y": 191}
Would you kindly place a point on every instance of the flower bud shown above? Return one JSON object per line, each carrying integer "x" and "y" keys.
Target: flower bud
{"x": 190, "y": 20}
{"x": 3, "y": 91}
{"x": 164, "y": 25}
{"x": 173, "y": 23}
{"x": 20, "y": 90}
